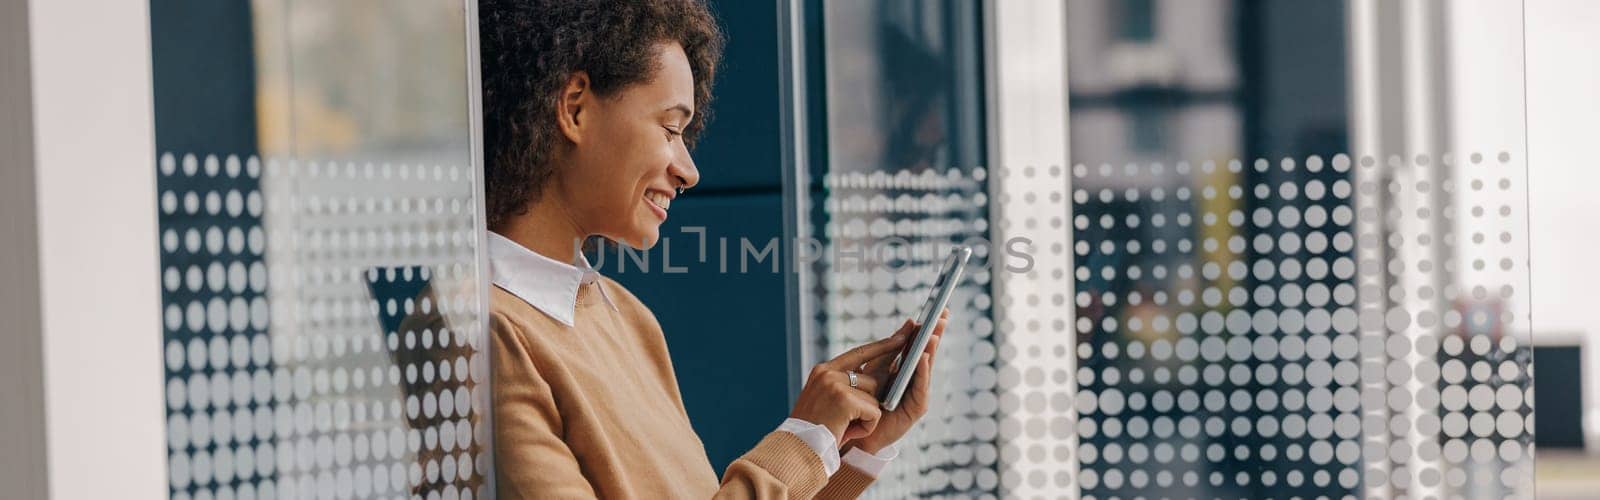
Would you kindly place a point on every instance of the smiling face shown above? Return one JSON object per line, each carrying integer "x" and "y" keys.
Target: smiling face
{"x": 626, "y": 157}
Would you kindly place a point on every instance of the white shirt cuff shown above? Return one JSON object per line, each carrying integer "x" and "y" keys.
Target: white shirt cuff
{"x": 819, "y": 438}
{"x": 868, "y": 463}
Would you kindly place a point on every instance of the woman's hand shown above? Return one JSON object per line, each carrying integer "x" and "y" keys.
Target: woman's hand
{"x": 829, "y": 400}
{"x": 914, "y": 404}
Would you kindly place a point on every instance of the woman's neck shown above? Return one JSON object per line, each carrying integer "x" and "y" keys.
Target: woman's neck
{"x": 547, "y": 229}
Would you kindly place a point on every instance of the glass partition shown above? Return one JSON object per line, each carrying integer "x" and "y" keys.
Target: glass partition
{"x": 904, "y": 144}
{"x": 319, "y": 208}
{"x": 1232, "y": 249}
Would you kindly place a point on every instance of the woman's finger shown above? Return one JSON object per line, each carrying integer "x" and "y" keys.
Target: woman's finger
{"x": 933, "y": 348}
{"x": 910, "y": 325}
{"x": 867, "y": 416}
{"x": 881, "y": 364}
{"x": 854, "y": 358}
{"x": 922, "y": 379}
{"x": 865, "y": 382}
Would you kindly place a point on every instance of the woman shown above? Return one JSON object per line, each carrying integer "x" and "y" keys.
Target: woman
{"x": 590, "y": 110}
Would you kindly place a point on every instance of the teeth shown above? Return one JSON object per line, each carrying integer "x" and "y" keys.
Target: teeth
{"x": 659, "y": 200}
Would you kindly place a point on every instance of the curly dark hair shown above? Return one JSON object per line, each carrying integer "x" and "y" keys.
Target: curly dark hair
{"x": 529, "y": 48}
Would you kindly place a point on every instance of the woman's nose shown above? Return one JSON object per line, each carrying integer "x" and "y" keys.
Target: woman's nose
{"x": 684, "y": 170}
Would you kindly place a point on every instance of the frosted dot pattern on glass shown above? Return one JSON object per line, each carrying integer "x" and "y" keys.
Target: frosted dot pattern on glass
{"x": 322, "y": 329}
{"x": 884, "y": 236}
{"x": 1038, "y": 427}
{"x": 1339, "y": 327}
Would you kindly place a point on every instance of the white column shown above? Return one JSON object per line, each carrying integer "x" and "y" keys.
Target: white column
{"x": 1029, "y": 163}
{"x": 83, "y": 383}
{"x": 1562, "y": 79}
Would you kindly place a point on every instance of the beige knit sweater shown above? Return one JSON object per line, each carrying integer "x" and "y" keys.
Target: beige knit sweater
{"x": 593, "y": 410}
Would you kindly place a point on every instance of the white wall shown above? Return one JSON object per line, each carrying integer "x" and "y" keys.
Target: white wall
{"x": 98, "y": 300}
{"x": 22, "y": 447}
{"x": 1563, "y": 78}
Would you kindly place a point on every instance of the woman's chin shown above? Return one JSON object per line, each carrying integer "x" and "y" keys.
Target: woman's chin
{"x": 643, "y": 239}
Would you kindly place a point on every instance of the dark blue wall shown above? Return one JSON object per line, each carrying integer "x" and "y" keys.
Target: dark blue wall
{"x": 740, "y": 150}
{"x": 203, "y": 77}
{"x": 727, "y": 329}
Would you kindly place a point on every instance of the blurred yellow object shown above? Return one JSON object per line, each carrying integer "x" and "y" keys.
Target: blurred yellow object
{"x": 309, "y": 127}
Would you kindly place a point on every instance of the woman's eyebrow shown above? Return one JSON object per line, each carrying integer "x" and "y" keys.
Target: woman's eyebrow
{"x": 683, "y": 109}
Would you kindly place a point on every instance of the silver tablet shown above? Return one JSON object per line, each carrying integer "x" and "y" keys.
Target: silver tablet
{"x": 928, "y": 317}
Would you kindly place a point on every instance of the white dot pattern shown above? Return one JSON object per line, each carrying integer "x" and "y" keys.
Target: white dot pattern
{"x": 322, "y": 329}
{"x": 884, "y": 235}
{"x": 1037, "y": 384}
{"x": 1306, "y": 328}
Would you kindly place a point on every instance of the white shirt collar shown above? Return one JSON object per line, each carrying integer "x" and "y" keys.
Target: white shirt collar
{"x": 544, "y": 283}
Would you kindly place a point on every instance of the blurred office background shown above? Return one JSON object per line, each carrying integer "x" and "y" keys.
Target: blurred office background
{"x": 1274, "y": 248}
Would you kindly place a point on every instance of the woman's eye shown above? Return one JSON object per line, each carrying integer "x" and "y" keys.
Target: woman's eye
{"x": 672, "y": 133}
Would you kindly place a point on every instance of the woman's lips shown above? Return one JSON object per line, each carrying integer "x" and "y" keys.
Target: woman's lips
{"x": 661, "y": 213}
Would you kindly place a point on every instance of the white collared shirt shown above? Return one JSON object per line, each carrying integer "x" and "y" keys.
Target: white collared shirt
{"x": 544, "y": 283}
{"x": 552, "y": 287}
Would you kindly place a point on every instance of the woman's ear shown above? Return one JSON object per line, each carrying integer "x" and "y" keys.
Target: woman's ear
{"x": 571, "y": 103}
